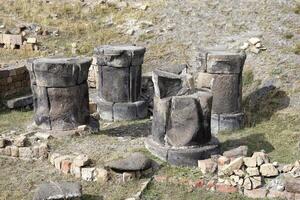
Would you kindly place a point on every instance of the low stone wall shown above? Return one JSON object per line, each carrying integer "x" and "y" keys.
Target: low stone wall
{"x": 14, "y": 79}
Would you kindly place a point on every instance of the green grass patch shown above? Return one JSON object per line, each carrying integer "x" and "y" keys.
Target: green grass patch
{"x": 14, "y": 120}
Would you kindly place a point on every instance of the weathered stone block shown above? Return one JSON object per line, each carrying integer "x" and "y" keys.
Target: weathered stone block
{"x": 224, "y": 62}
{"x": 124, "y": 111}
{"x": 226, "y": 94}
{"x": 226, "y": 122}
{"x": 105, "y": 109}
{"x": 293, "y": 185}
{"x": 81, "y": 160}
{"x": 268, "y": 170}
{"x": 60, "y": 72}
{"x": 58, "y": 191}
{"x": 160, "y": 118}
{"x": 204, "y": 80}
{"x": 14, "y": 151}
{"x": 207, "y": 166}
{"x": 88, "y": 174}
{"x": 25, "y": 152}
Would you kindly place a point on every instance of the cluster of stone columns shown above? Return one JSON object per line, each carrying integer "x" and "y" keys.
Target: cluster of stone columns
{"x": 119, "y": 82}
{"x": 222, "y": 72}
{"x": 181, "y": 121}
{"x": 60, "y": 92}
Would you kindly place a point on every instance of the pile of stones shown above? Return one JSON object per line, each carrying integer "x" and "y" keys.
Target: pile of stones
{"x": 254, "y": 45}
{"x": 11, "y": 41}
{"x": 81, "y": 166}
{"x": 22, "y": 147}
{"x": 253, "y": 176}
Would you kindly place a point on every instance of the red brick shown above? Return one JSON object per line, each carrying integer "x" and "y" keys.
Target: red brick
{"x": 199, "y": 183}
{"x": 66, "y": 166}
{"x": 256, "y": 193}
{"x": 220, "y": 187}
{"x": 211, "y": 184}
{"x": 160, "y": 179}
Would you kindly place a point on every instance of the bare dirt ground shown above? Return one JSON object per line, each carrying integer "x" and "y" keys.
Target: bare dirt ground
{"x": 172, "y": 31}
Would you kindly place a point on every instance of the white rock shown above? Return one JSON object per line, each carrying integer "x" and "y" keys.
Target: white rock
{"x": 256, "y": 181}
{"x": 234, "y": 165}
{"x": 31, "y": 40}
{"x": 83, "y": 128}
{"x": 88, "y": 173}
{"x": 250, "y": 161}
{"x": 43, "y": 135}
{"x": 258, "y": 45}
{"x": 287, "y": 168}
{"x": 81, "y": 160}
{"x": 255, "y": 50}
{"x": 268, "y": 170}
{"x": 245, "y": 46}
{"x": 254, "y": 40}
{"x": 102, "y": 175}
{"x": 247, "y": 184}
{"x": 252, "y": 171}
{"x": 207, "y": 166}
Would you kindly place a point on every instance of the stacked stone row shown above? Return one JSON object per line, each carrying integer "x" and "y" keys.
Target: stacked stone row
{"x": 60, "y": 92}
{"x": 19, "y": 147}
{"x": 255, "y": 176}
{"x": 119, "y": 82}
{"x": 13, "y": 80}
{"x": 222, "y": 72}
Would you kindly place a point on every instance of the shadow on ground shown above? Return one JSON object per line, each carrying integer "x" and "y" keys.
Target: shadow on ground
{"x": 261, "y": 104}
{"x": 135, "y": 129}
{"x": 92, "y": 197}
{"x": 255, "y": 142}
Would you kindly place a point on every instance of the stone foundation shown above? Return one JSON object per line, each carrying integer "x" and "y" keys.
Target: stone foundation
{"x": 60, "y": 92}
{"x": 14, "y": 80}
{"x": 119, "y": 82}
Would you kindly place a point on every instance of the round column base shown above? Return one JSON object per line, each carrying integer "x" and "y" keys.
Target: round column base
{"x": 183, "y": 156}
{"x": 226, "y": 122}
{"x": 122, "y": 111}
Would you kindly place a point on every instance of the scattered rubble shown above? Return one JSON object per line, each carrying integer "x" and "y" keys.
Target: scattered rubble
{"x": 254, "y": 45}
{"x": 23, "y": 147}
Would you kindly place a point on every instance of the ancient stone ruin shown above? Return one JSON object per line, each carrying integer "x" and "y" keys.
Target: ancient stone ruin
{"x": 119, "y": 82}
{"x": 221, "y": 71}
{"x": 60, "y": 92}
{"x": 181, "y": 120}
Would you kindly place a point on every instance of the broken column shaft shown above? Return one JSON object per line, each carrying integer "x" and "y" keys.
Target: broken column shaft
{"x": 60, "y": 92}
{"x": 181, "y": 121}
{"x": 222, "y": 72}
{"x": 119, "y": 82}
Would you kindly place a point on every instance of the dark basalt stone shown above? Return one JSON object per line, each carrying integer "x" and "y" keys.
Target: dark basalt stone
{"x": 58, "y": 191}
{"x": 135, "y": 162}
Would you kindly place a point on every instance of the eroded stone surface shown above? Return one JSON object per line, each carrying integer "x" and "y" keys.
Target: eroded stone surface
{"x": 60, "y": 92}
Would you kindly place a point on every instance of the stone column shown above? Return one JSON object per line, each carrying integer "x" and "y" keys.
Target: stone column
{"x": 181, "y": 121}
{"x": 60, "y": 92}
{"x": 119, "y": 82}
{"x": 222, "y": 72}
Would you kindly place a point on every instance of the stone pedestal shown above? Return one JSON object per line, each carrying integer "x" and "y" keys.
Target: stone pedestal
{"x": 119, "y": 82}
{"x": 181, "y": 121}
{"x": 222, "y": 72}
{"x": 60, "y": 92}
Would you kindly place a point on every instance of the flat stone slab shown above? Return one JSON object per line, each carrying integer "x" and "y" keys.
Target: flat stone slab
{"x": 58, "y": 191}
{"x": 134, "y": 162}
{"x": 59, "y": 72}
{"x": 185, "y": 156}
{"x": 20, "y": 102}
